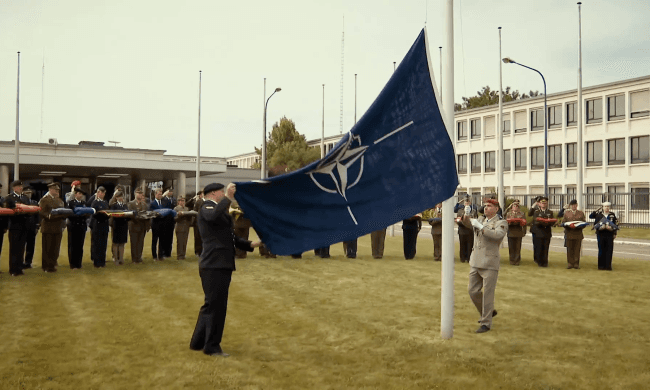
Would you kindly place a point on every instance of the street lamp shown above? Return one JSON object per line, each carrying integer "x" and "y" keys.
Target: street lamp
{"x": 264, "y": 135}
{"x": 511, "y": 61}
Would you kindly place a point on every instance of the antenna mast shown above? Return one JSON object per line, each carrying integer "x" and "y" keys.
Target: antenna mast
{"x": 342, "y": 58}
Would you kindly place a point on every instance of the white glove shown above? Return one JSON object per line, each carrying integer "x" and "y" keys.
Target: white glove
{"x": 468, "y": 210}
{"x": 476, "y": 224}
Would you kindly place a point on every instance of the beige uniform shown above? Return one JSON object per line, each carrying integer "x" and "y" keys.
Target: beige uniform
{"x": 138, "y": 227}
{"x": 573, "y": 238}
{"x": 436, "y": 231}
{"x": 484, "y": 263}
{"x": 51, "y": 231}
{"x": 183, "y": 223}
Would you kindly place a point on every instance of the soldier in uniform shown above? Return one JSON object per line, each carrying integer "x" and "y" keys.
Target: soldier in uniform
{"x": 605, "y": 235}
{"x": 157, "y": 228}
{"x": 138, "y": 226}
{"x": 4, "y": 223}
{"x": 182, "y": 228}
{"x": 572, "y": 236}
{"x": 120, "y": 229}
{"x": 410, "y": 229}
{"x": 465, "y": 234}
{"x": 436, "y": 229}
{"x": 216, "y": 266}
{"x": 169, "y": 202}
{"x": 489, "y": 231}
{"x": 242, "y": 226}
{"x": 541, "y": 234}
{"x": 99, "y": 230}
{"x": 515, "y": 233}
{"x": 17, "y": 229}
{"x": 198, "y": 243}
{"x": 377, "y": 240}
{"x": 33, "y": 225}
{"x": 77, "y": 227}
{"x": 51, "y": 227}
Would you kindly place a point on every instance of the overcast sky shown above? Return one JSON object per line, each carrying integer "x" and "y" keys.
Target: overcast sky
{"x": 128, "y": 71}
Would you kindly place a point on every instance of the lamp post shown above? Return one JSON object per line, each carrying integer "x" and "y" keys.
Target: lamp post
{"x": 511, "y": 61}
{"x": 264, "y": 134}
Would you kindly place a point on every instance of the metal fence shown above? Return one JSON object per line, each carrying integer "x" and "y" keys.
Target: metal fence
{"x": 632, "y": 208}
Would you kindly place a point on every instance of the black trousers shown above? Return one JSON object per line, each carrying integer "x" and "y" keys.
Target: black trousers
{"x": 30, "y": 243}
{"x": 212, "y": 316}
{"x": 157, "y": 246}
{"x": 350, "y": 248}
{"x": 198, "y": 243}
{"x": 17, "y": 241}
{"x": 410, "y": 234}
{"x": 98, "y": 242}
{"x": 168, "y": 241}
{"x": 76, "y": 238}
{"x": 323, "y": 253}
{"x": 605, "y": 251}
{"x": 540, "y": 250}
{"x": 466, "y": 245}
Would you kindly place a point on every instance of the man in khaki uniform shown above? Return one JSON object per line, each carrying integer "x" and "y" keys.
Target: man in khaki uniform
{"x": 489, "y": 231}
{"x": 183, "y": 222}
{"x": 138, "y": 226}
{"x": 515, "y": 233}
{"x": 434, "y": 216}
{"x": 51, "y": 227}
{"x": 572, "y": 234}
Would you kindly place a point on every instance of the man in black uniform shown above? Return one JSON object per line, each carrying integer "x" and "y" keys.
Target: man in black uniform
{"x": 4, "y": 223}
{"x": 541, "y": 231}
{"x": 465, "y": 234}
{"x": 215, "y": 266}
{"x": 77, "y": 227}
{"x": 17, "y": 229}
{"x": 605, "y": 234}
{"x": 168, "y": 223}
{"x": 410, "y": 229}
{"x": 33, "y": 224}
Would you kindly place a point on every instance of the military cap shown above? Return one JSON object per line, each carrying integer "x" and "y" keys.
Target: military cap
{"x": 180, "y": 198}
{"x": 16, "y": 183}
{"x": 542, "y": 199}
{"x": 492, "y": 202}
{"x": 467, "y": 197}
{"x": 54, "y": 186}
{"x": 212, "y": 187}
{"x": 118, "y": 194}
{"x": 77, "y": 189}
{"x": 101, "y": 189}
{"x": 573, "y": 201}
{"x": 139, "y": 191}
{"x": 28, "y": 189}
{"x": 607, "y": 204}
{"x": 75, "y": 183}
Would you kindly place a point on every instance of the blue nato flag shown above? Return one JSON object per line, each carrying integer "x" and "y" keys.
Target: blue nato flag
{"x": 395, "y": 162}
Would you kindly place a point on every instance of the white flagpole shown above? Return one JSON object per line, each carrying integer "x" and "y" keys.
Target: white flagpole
{"x": 447, "y": 277}
{"x": 581, "y": 201}
{"x": 322, "y": 135}
{"x": 17, "y": 143}
{"x": 198, "y": 145}
{"x": 501, "y": 193}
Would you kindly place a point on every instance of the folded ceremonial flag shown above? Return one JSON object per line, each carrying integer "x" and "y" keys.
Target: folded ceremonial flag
{"x": 165, "y": 212}
{"x": 395, "y": 162}
{"x": 84, "y": 211}
{"x": 61, "y": 211}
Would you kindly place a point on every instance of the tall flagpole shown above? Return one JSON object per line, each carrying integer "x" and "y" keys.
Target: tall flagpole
{"x": 440, "y": 48}
{"x": 579, "y": 190}
{"x": 322, "y": 135}
{"x": 198, "y": 145}
{"x": 17, "y": 143}
{"x": 447, "y": 277}
{"x": 501, "y": 192}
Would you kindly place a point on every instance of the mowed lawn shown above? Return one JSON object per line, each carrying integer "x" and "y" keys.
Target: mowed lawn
{"x": 325, "y": 324}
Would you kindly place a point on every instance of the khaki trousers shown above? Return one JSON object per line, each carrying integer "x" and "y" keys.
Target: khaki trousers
{"x": 573, "y": 252}
{"x": 118, "y": 253}
{"x": 486, "y": 279}
{"x": 51, "y": 246}
{"x": 181, "y": 243}
{"x": 514, "y": 250}
{"x": 377, "y": 239}
{"x": 137, "y": 244}
{"x": 437, "y": 247}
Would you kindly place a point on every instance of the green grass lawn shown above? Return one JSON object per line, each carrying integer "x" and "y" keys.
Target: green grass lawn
{"x": 325, "y": 324}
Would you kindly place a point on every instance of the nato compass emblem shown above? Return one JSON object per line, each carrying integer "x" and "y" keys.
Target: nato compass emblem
{"x": 344, "y": 158}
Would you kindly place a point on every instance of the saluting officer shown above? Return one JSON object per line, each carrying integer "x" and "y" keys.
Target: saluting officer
{"x": 605, "y": 235}
{"x": 33, "y": 225}
{"x": 17, "y": 229}
{"x": 572, "y": 236}
{"x": 434, "y": 216}
{"x": 515, "y": 233}
{"x": 51, "y": 227}
{"x": 99, "y": 230}
{"x": 77, "y": 227}
{"x": 465, "y": 235}
{"x": 542, "y": 233}
{"x": 138, "y": 226}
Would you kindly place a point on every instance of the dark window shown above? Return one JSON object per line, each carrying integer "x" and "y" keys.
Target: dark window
{"x": 490, "y": 161}
{"x": 537, "y": 119}
{"x": 615, "y": 194}
{"x": 571, "y": 154}
{"x": 554, "y": 117}
{"x": 555, "y": 156}
{"x": 462, "y": 130}
{"x": 476, "y": 128}
{"x": 476, "y": 162}
{"x": 639, "y": 104}
{"x": 571, "y": 114}
{"x": 616, "y": 107}
{"x": 595, "y": 111}
{"x": 639, "y": 149}
{"x": 506, "y": 126}
{"x": 506, "y": 160}
{"x": 537, "y": 157}
{"x": 594, "y": 196}
{"x": 520, "y": 159}
{"x": 594, "y": 153}
{"x": 640, "y": 198}
{"x": 555, "y": 196}
{"x": 462, "y": 163}
{"x": 616, "y": 151}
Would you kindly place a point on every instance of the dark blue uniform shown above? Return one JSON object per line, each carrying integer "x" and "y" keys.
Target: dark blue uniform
{"x": 99, "y": 233}
{"x": 541, "y": 236}
{"x": 605, "y": 240}
{"x": 216, "y": 265}
{"x": 411, "y": 227}
{"x": 33, "y": 224}
{"x": 77, "y": 226}
{"x": 17, "y": 234}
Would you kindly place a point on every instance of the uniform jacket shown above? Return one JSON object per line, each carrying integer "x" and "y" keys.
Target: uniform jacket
{"x": 485, "y": 253}
{"x": 138, "y": 224}
{"x": 17, "y": 221}
{"x": 598, "y": 216}
{"x": 460, "y": 210}
{"x": 34, "y": 220}
{"x": 77, "y": 220}
{"x": 197, "y": 206}
{"x": 51, "y": 224}
{"x": 219, "y": 239}
{"x": 120, "y": 225}
{"x": 436, "y": 228}
{"x": 183, "y": 222}
{"x": 537, "y": 229}
{"x": 99, "y": 219}
{"x": 516, "y": 231}
{"x": 569, "y": 215}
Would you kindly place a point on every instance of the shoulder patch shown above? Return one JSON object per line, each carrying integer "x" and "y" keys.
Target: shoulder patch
{"x": 209, "y": 207}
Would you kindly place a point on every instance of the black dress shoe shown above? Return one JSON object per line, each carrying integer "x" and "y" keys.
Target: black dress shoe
{"x": 27, "y": 266}
{"x": 17, "y": 274}
{"x": 483, "y": 329}
{"x": 218, "y": 353}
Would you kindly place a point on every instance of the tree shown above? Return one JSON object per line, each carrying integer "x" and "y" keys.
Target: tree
{"x": 486, "y": 97}
{"x": 286, "y": 149}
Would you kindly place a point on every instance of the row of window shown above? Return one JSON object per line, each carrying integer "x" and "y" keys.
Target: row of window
{"x": 639, "y": 107}
{"x": 639, "y": 153}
